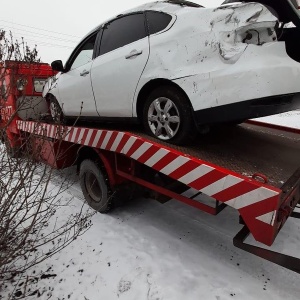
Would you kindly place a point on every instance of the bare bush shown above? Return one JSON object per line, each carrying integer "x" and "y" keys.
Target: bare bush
{"x": 31, "y": 193}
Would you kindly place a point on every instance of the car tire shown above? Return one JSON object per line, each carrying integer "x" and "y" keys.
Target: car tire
{"x": 55, "y": 110}
{"x": 93, "y": 183}
{"x": 167, "y": 115}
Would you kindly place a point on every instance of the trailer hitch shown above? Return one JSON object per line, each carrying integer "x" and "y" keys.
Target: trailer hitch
{"x": 286, "y": 261}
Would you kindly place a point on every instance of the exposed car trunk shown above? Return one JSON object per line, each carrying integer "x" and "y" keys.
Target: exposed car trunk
{"x": 286, "y": 11}
{"x": 242, "y": 25}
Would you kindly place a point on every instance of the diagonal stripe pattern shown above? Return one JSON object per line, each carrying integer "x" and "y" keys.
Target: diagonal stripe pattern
{"x": 235, "y": 191}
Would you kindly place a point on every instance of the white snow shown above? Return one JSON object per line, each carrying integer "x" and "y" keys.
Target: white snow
{"x": 289, "y": 119}
{"x": 148, "y": 250}
{"x": 152, "y": 251}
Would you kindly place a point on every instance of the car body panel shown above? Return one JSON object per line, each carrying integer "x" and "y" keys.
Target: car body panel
{"x": 115, "y": 77}
{"x": 76, "y": 93}
{"x": 257, "y": 74}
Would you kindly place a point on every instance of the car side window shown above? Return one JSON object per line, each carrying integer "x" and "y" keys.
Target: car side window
{"x": 157, "y": 21}
{"x": 122, "y": 31}
{"x": 85, "y": 53}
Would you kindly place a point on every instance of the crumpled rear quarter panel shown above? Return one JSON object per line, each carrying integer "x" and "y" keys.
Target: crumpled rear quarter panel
{"x": 205, "y": 55}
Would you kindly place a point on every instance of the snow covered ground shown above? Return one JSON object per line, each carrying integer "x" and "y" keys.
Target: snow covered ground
{"x": 288, "y": 119}
{"x": 147, "y": 250}
{"x": 152, "y": 251}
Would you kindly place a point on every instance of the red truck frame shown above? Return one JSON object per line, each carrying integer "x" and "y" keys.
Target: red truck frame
{"x": 125, "y": 157}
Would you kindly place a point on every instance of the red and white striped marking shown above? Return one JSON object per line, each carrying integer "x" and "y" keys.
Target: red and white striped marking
{"x": 234, "y": 190}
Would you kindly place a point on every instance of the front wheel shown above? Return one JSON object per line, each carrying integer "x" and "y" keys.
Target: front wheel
{"x": 167, "y": 115}
{"x": 55, "y": 110}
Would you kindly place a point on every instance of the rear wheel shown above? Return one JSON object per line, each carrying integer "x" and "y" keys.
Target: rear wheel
{"x": 167, "y": 115}
{"x": 93, "y": 183}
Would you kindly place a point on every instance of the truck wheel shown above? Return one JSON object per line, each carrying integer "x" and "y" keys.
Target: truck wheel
{"x": 55, "y": 110}
{"x": 167, "y": 115}
{"x": 94, "y": 186}
{"x": 12, "y": 152}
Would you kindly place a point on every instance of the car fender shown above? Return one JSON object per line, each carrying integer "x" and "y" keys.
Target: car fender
{"x": 51, "y": 86}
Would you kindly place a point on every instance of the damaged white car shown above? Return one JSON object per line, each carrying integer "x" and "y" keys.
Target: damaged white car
{"x": 176, "y": 66}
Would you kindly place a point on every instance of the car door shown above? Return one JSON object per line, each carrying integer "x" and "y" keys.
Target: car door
{"x": 123, "y": 54}
{"x": 75, "y": 90}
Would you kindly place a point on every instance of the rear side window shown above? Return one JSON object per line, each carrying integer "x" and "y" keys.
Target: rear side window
{"x": 157, "y": 21}
{"x": 122, "y": 31}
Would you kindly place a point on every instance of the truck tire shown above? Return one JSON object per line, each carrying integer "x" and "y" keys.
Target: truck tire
{"x": 12, "y": 152}
{"x": 93, "y": 183}
{"x": 168, "y": 116}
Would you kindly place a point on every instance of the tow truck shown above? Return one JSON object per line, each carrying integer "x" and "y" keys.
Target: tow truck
{"x": 251, "y": 168}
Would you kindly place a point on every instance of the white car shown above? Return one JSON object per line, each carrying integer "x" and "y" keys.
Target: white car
{"x": 176, "y": 66}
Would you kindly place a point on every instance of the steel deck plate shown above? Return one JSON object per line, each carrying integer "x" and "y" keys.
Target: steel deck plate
{"x": 245, "y": 149}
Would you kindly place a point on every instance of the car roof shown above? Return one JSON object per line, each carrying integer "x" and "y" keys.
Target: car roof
{"x": 167, "y": 6}
{"x": 171, "y": 6}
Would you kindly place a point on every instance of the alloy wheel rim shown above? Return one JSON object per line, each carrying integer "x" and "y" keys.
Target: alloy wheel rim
{"x": 54, "y": 111}
{"x": 163, "y": 118}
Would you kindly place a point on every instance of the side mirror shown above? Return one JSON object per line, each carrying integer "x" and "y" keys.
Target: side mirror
{"x": 57, "y": 66}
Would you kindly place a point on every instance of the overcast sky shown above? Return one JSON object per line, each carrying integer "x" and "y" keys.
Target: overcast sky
{"x": 56, "y": 26}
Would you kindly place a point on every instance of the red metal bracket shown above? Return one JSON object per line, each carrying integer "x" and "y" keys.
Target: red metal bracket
{"x": 258, "y": 176}
{"x": 286, "y": 261}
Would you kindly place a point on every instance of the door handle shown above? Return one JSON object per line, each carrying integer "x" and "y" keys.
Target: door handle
{"x": 133, "y": 54}
{"x": 84, "y": 73}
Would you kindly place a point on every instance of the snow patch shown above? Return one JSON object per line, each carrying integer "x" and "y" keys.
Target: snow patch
{"x": 288, "y": 119}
